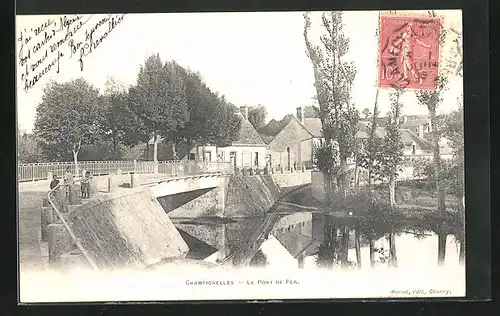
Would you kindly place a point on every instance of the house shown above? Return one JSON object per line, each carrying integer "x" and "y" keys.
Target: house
{"x": 419, "y": 124}
{"x": 418, "y": 128}
{"x": 249, "y": 150}
{"x": 294, "y": 144}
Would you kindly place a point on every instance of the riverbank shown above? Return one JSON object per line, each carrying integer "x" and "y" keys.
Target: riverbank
{"x": 413, "y": 206}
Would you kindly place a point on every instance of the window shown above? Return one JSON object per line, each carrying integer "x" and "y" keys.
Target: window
{"x": 192, "y": 156}
{"x": 256, "y": 159}
{"x": 413, "y": 149}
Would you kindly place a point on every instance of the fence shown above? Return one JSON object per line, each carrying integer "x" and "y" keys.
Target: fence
{"x": 42, "y": 171}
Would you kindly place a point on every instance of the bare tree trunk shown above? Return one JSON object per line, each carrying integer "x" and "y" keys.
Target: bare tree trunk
{"x": 155, "y": 152}
{"x": 372, "y": 136}
{"x": 345, "y": 247}
{"x": 392, "y": 191}
{"x": 442, "y": 234}
{"x": 343, "y": 180}
{"x": 357, "y": 245}
{"x": 437, "y": 162}
{"x": 356, "y": 176}
{"x": 372, "y": 253}
{"x": 75, "y": 160}
{"x": 393, "y": 259}
{"x": 461, "y": 255}
{"x": 393, "y": 176}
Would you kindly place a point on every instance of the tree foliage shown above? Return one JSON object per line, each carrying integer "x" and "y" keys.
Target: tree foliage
{"x": 257, "y": 116}
{"x": 159, "y": 99}
{"x": 326, "y": 157}
{"x": 311, "y": 111}
{"x": 225, "y": 124}
{"x": 393, "y": 144}
{"x": 119, "y": 125}
{"x": 366, "y": 113}
{"x": 334, "y": 77}
{"x": 67, "y": 119}
{"x": 27, "y": 148}
{"x": 431, "y": 99}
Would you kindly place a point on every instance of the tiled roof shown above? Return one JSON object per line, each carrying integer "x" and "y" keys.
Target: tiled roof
{"x": 364, "y": 130}
{"x": 381, "y": 121}
{"x": 248, "y": 135}
{"x": 415, "y": 121}
{"x": 314, "y": 126}
{"x": 267, "y": 138}
{"x": 408, "y": 137}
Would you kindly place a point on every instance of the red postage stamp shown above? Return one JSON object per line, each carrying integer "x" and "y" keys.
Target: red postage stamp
{"x": 409, "y": 52}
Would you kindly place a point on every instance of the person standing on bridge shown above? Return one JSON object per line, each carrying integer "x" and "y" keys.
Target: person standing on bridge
{"x": 68, "y": 179}
{"x": 86, "y": 185}
{"x": 54, "y": 183}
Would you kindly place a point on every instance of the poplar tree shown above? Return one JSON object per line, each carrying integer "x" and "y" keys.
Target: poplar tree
{"x": 334, "y": 77}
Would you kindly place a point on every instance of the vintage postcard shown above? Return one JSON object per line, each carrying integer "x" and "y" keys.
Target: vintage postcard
{"x": 240, "y": 156}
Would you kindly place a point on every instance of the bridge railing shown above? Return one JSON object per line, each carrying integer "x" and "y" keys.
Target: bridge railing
{"x": 41, "y": 171}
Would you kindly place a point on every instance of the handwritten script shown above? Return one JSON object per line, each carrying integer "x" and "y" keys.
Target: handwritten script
{"x": 41, "y": 48}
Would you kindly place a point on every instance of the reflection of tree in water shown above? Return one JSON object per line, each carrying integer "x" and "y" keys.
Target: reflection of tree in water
{"x": 376, "y": 220}
{"x": 334, "y": 248}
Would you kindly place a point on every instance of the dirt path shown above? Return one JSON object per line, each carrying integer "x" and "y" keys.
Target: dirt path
{"x": 30, "y": 256}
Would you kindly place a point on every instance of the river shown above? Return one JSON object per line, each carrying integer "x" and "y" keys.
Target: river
{"x": 312, "y": 241}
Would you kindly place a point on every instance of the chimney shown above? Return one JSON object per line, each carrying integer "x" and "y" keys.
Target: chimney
{"x": 300, "y": 114}
{"x": 244, "y": 112}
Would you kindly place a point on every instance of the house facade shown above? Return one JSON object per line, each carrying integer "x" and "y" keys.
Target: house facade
{"x": 249, "y": 150}
{"x": 293, "y": 146}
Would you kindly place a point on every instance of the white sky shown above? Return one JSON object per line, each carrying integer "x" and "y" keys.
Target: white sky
{"x": 252, "y": 58}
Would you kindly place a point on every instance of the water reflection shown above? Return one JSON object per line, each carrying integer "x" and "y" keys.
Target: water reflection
{"x": 322, "y": 241}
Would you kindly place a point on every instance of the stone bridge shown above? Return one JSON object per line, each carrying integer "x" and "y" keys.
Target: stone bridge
{"x": 127, "y": 220}
{"x": 123, "y": 222}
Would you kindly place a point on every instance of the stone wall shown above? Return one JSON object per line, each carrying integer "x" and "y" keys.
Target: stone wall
{"x": 292, "y": 179}
{"x": 203, "y": 205}
{"x": 250, "y": 195}
{"x": 127, "y": 230}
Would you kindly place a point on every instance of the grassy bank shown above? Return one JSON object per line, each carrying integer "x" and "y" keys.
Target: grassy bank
{"x": 415, "y": 209}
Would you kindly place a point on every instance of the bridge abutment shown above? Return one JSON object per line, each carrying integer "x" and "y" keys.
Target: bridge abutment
{"x": 222, "y": 186}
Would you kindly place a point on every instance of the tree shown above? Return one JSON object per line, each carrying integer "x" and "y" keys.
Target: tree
{"x": 431, "y": 99}
{"x": 333, "y": 81}
{"x": 453, "y": 131}
{"x": 200, "y": 104}
{"x": 67, "y": 119}
{"x": 327, "y": 160}
{"x": 372, "y": 154}
{"x": 27, "y": 148}
{"x": 393, "y": 145}
{"x": 367, "y": 113}
{"x": 225, "y": 124}
{"x": 257, "y": 116}
{"x": 311, "y": 111}
{"x": 159, "y": 100}
{"x": 117, "y": 121}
